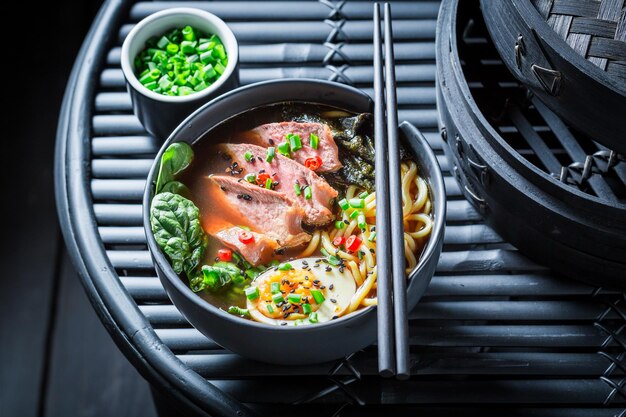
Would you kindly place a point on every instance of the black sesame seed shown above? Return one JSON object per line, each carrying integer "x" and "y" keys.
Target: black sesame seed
{"x": 322, "y": 287}
{"x": 335, "y": 317}
{"x": 239, "y": 196}
{"x": 331, "y": 286}
{"x": 346, "y": 222}
{"x": 283, "y": 324}
{"x": 332, "y": 300}
{"x": 328, "y": 269}
{"x": 372, "y": 251}
{"x": 271, "y": 141}
{"x": 235, "y": 164}
{"x": 222, "y": 188}
{"x": 261, "y": 171}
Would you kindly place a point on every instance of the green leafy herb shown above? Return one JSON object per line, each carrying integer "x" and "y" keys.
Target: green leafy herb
{"x": 175, "y": 223}
{"x": 174, "y": 160}
{"x": 238, "y": 311}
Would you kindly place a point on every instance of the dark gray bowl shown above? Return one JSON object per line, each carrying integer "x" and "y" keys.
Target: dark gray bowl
{"x": 284, "y": 345}
{"x": 161, "y": 114}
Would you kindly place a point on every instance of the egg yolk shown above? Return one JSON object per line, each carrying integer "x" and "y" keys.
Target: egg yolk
{"x": 295, "y": 300}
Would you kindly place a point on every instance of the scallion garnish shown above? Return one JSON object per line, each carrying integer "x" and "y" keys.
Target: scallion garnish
{"x": 318, "y": 296}
{"x": 308, "y": 194}
{"x": 252, "y": 293}
{"x": 361, "y": 222}
{"x": 271, "y": 153}
{"x": 296, "y": 189}
{"x": 278, "y": 298}
{"x": 343, "y": 203}
{"x": 285, "y": 266}
{"x": 314, "y": 140}
{"x": 372, "y": 237}
{"x": 363, "y": 194}
{"x": 180, "y": 62}
{"x": 306, "y": 308}
{"x": 333, "y": 260}
{"x": 248, "y": 156}
{"x": 324, "y": 252}
{"x": 283, "y": 149}
{"x": 295, "y": 143}
{"x": 270, "y": 309}
{"x": 313, "y": 317}
{"x": 238, "y": 311}
{"x": 294, "y": 298}
{"x": 357, "y": 203}
{"x": 268, "y": 183}
{"x": 250, "y": 178}
{"x": 353, "y": 214}
{"x": 339, "y": 224}
{"x": 275, "y": 287}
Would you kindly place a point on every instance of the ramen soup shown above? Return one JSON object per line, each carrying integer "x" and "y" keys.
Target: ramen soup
{"x": 271, "y": 215}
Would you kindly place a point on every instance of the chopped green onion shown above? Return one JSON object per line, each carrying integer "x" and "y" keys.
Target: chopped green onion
{"x": 248, "y": 156}
{"x": 252, "y": 293}
{"x": 275, "y": 287}
{"x": 270, "y": 309}
{"x": 361, "y": 222}
{"x": 163, "y": 42}
{"x": 244, "y": 228}
{"x": 251, "y": 273}
{"x": 308, "y": 194}
{"x": 268, "y": 183}
{"x": 324, "y": 252}
{"x": 188, "y": 62}
{"x": 372, "y": 237}
{"x": 357, "y": 203}
{"x": 363, "y": 194}
{"x": 343, "y": 203}
{"x": 285, "y": 267}
{"x": 360, "y": 254}
{"x": 353, "y": 214}
{"x": 278, "y": 298}
{"x": 250, "y": 178}
{"x": 271, "y": 153}
{"x": 314, "y": 140}
{"x": 296, "y": 189}
{"x": 294, "y": 298}
{"x": 283, "y": 149}
{"x": 306, "y": 308}
{"x": 339, "y": 224}
{"x": 318, "y": 296}
{"x": 313, "y": 317}
{"x": 295, "y": 143}
{"x": 238, "y": 311}
{"x": 188, "y": 33}
{"x": 333, "y": 260}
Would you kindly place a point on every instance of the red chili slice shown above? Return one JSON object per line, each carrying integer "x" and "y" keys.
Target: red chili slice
{"x": 225, "y": 255}
{"x": 262, "y": 178}
{"x": 313, "y": 163}
{"x": 339, "y": 240}
{"x": 353, "y": 243}
{"x": 246, "y": 237}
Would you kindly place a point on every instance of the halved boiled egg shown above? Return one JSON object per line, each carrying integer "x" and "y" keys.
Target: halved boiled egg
{"x": 299, "y": 292}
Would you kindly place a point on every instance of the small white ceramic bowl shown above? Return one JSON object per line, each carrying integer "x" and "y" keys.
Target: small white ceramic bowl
{"x": 159, "y": 113}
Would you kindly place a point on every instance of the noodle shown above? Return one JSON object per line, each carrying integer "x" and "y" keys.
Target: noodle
{"x": 418, "y": 223}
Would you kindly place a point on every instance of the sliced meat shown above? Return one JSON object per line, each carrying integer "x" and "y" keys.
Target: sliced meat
{"x": 287, "y": 173}
{"x": 264, "y": 211}
{"x": 258, "y": 252}
{"x": 272, "y": 134}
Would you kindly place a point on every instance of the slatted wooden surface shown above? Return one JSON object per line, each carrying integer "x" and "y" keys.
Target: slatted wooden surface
{"x": 494, "y": 330}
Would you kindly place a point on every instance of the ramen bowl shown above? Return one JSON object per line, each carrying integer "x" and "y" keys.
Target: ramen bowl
{"x": 307, "y": 344}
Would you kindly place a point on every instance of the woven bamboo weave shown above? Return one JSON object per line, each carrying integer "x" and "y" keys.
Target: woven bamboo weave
{"x": 595, "y": 29}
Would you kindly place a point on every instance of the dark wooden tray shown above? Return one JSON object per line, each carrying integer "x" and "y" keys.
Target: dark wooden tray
{"x": 496, "y": 333}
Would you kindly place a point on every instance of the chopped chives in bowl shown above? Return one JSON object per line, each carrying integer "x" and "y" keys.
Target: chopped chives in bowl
{"x": 181, "y": 62}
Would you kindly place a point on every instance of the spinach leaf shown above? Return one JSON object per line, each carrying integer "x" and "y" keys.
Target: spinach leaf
{"x": 176, "y": 158}
{"x": 175, "y": 222}
{"x": 176, "y": 187}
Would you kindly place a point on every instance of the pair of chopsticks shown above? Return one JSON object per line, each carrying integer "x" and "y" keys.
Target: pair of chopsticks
{"x": 393, "y": 339}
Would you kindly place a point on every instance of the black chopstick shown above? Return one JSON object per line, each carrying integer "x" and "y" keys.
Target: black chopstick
{"x": 395, "y": 213}
{"x": 386, "y": 361}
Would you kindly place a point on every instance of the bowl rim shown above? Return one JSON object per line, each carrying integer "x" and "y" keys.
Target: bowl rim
{"x": 227, "y": 37}
{"x": 163, "y": 264}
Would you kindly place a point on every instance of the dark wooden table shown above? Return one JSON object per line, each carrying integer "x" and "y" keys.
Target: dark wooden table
{"x": 496, "y": 333}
